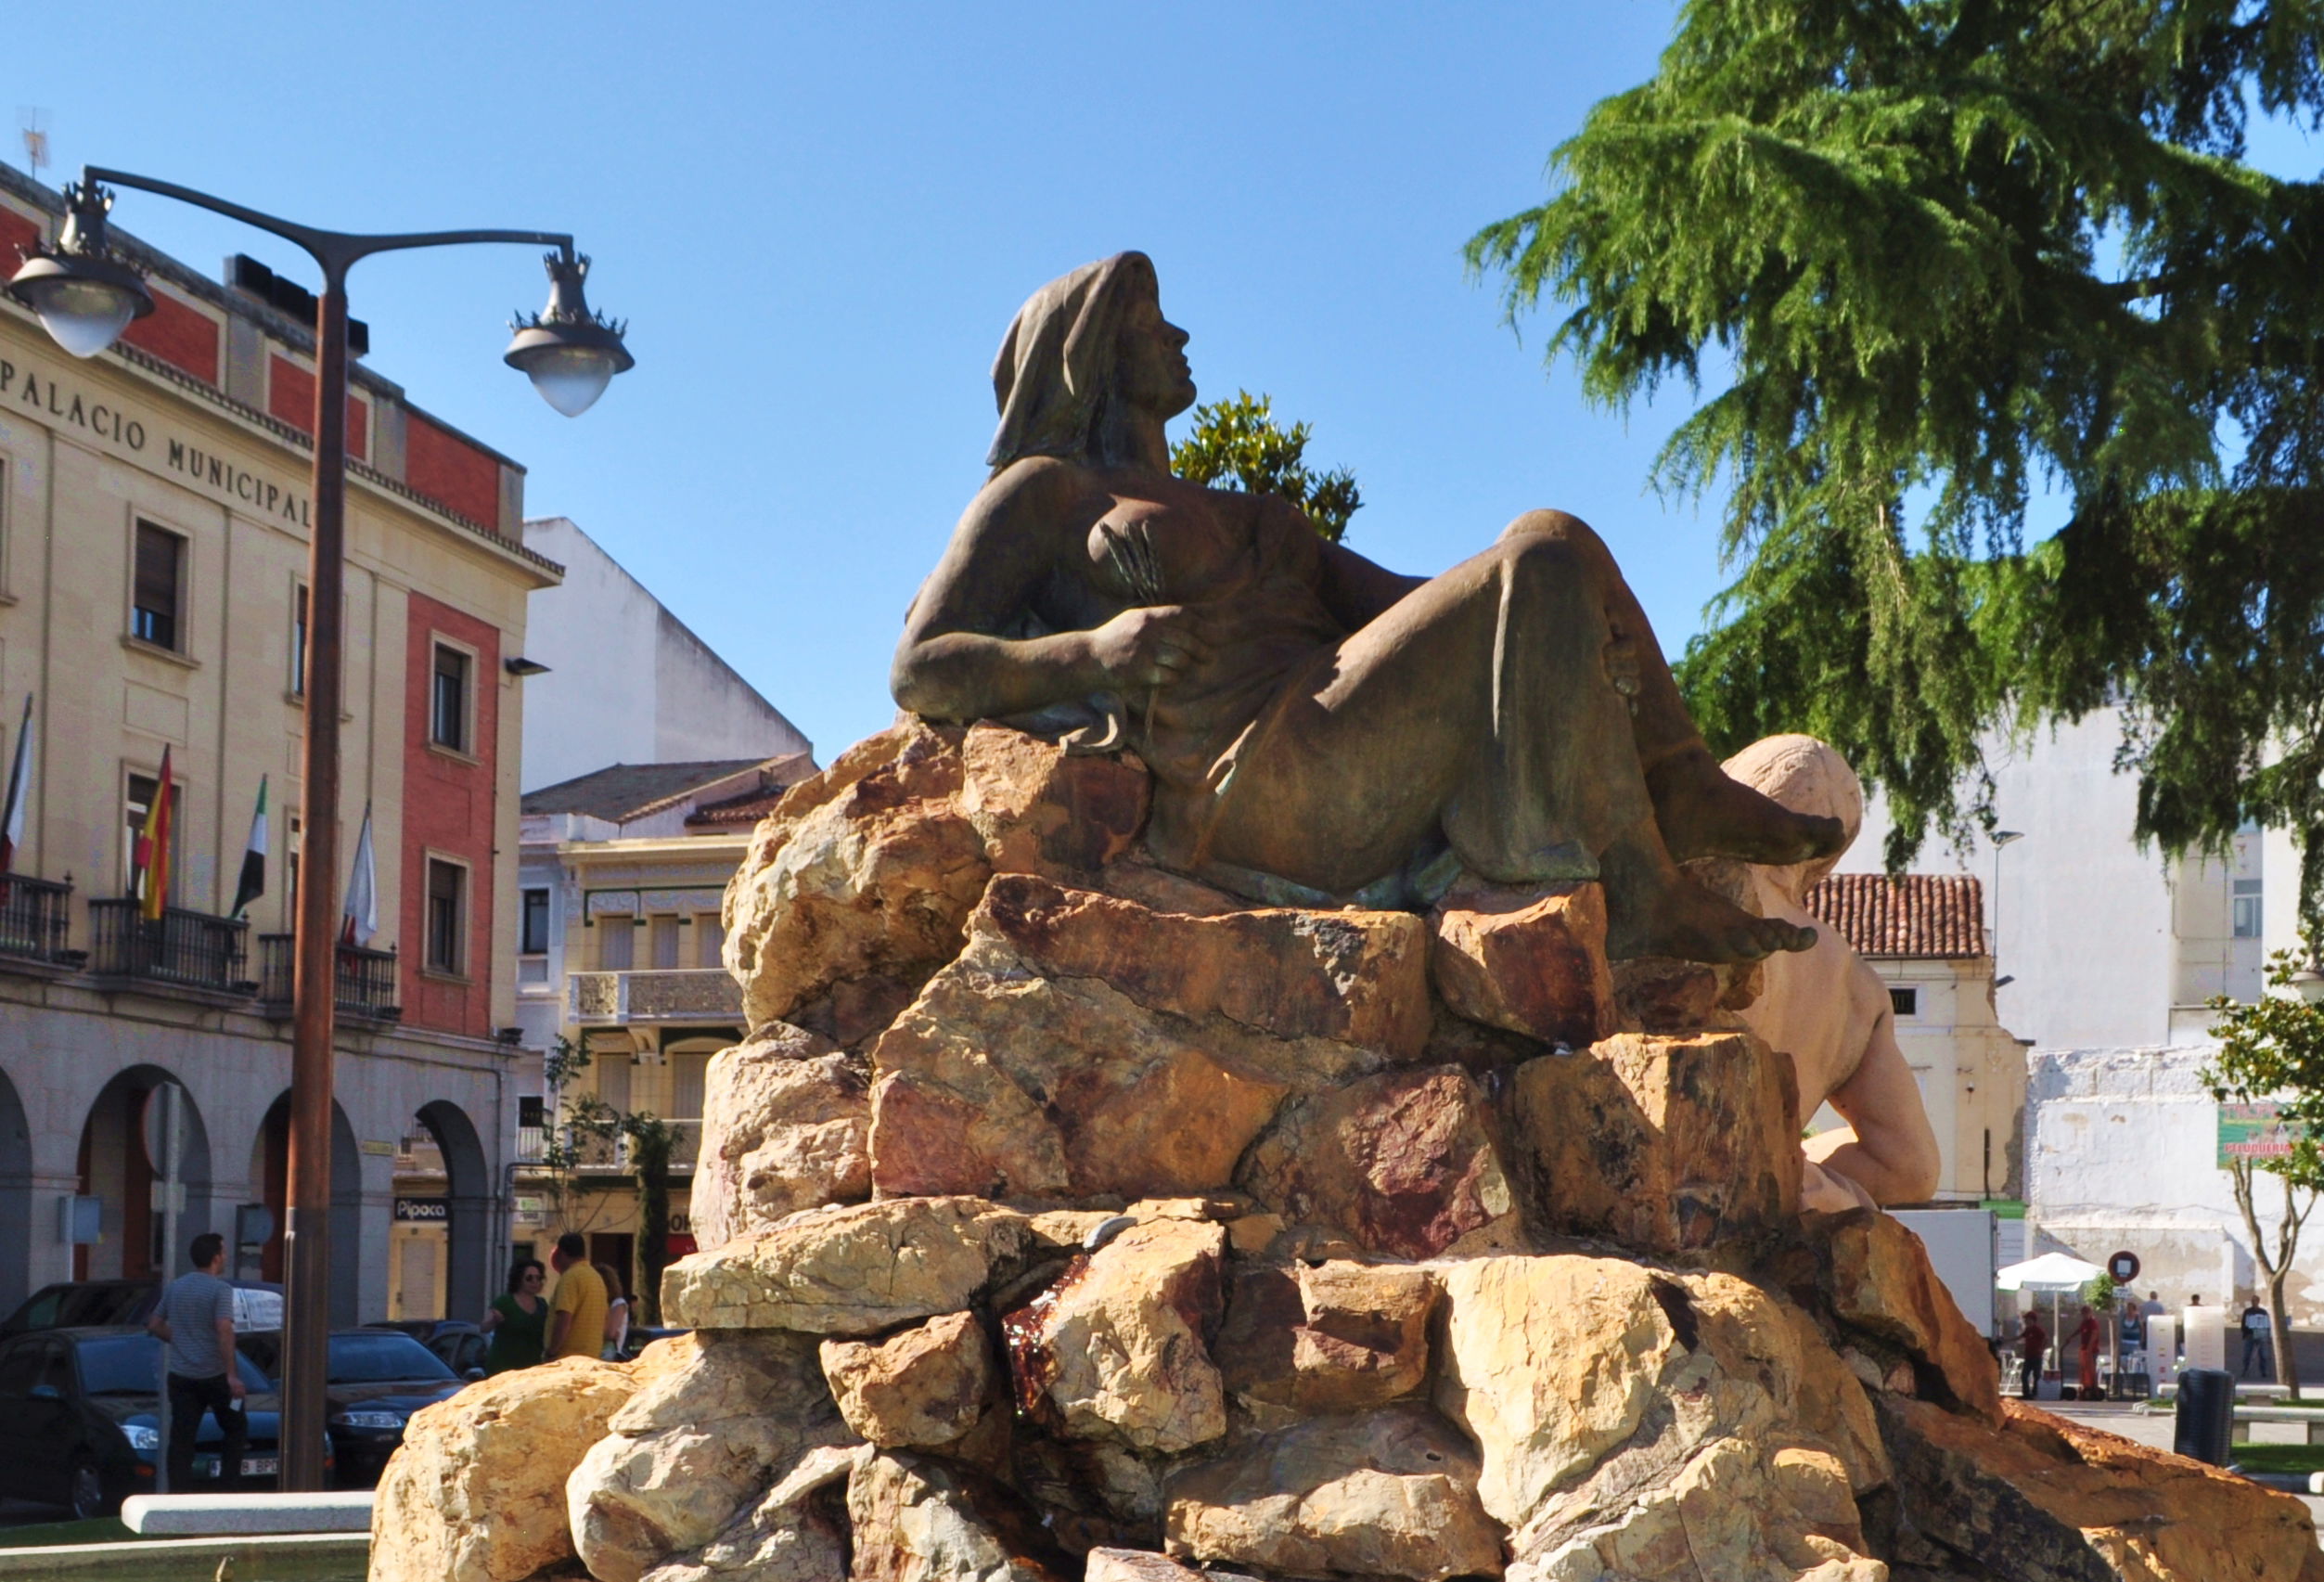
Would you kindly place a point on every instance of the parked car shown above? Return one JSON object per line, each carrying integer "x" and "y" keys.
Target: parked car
{"x": 641, "y": 1336}
{"x": 80, "y": 1304}
{"x": 373, "y": 1380}
{"x": 80, "y": 1420}
{"x": 457, "y": 1344}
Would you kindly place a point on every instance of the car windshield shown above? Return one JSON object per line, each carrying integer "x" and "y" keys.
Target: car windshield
{"x": 130, "y": 1365}
{"x": 382, "y": 1356}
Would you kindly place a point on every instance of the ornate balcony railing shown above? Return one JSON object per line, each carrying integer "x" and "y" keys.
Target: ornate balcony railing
{"x": 613, "y": 1153}
{"x": 36, "y": 921}
{"x": 180, "y": 949}
{"x": 367, "y": 979}
{"x": 672, "y": 995}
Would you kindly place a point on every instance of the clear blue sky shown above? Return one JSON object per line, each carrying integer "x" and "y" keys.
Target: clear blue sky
{"x": 819, "y": 220}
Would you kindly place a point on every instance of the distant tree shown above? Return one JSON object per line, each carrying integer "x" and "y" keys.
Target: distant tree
{"x": 651, "y": 1142}
{"x": 1937, "y": 256}
{"x": 2272, "y": 1051}
{"x": 1237, "y": 444}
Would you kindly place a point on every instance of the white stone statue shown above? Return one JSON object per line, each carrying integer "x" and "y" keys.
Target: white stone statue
{"x": 1829, "y": 1011}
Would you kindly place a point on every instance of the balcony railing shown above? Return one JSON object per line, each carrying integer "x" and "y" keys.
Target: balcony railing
{"x": 34, "y": 922}
{"x": 367, "y": 979}
{"x": 612, "y": 1152}
{"x": 671, "y": 994}
{"x": 179, "y": 948}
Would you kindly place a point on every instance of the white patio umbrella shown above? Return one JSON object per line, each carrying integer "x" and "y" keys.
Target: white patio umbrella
{"x": 2056, "y": 1273}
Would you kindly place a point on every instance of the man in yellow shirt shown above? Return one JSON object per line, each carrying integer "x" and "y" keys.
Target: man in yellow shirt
{"x": 576, "y": 1314}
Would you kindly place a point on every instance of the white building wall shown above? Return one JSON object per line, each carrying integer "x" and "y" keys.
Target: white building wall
{"x": 2123, "y": 1154}
{"x": 2107, "y": 946}
{"x": 627, "y": 682}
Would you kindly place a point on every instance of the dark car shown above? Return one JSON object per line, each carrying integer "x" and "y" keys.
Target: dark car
{"x": 457, "y": 1344}
{"x": 374, "y": 1380}
{"x": 80, "y": 1304}
{"x": 80, "y": 1420}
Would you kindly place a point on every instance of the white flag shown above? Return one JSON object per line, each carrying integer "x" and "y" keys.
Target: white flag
{"x": 359, "y": 920}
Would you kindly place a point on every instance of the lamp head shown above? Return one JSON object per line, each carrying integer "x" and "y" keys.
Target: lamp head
{"x": 2003, "y": 837}
{"x": 85, "y": 293}
{"x": 569, "y": 352}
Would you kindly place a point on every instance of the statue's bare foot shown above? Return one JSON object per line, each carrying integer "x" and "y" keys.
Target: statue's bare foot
{"x": 1703, "y": 813}
{"x": 1654, "y": 909}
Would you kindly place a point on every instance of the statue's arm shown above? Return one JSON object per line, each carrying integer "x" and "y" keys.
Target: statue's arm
{"x": 949, "y": 665}
{"x": 1888, "y": 1146}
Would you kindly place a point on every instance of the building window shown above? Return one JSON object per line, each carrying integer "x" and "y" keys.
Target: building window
{"x": 446, "y": 884}
{"x": 298, "y": 642}
{"x": 2247, "y": 899}
{"x": 614, "y": 1073}
{"x": 663, "y": 934}
{"x": 1905, "y": 1002}
{"x": 617, "y": 942}
{"x": 710, "y": 940}
{"x": 532, "y": 924}
{"x": 688, "y": 1076}
{"x": 447, "y": 724}
{"x": 153, "y": 613}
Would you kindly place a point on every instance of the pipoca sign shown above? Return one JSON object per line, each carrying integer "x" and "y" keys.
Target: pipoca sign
{"x": 52, "y": 397}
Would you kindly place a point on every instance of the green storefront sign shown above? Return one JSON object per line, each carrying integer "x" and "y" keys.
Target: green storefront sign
{"x": 2255, "y": 1131}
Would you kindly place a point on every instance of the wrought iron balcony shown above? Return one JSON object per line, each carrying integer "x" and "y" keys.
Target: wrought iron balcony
{"x": 367, "y": 979}
{"x": 36, "y": 923}
{"x": 614, "y": 1000}
{"x": 596, "y": 1153}
{"x": 179, "y": 949}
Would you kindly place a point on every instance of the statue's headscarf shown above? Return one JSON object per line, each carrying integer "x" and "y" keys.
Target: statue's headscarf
{"x": 1805, "y": 776}
{"x": 1053, "y": 378}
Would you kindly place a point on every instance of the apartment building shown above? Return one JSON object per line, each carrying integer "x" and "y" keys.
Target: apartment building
{"x": 154, "y": 508}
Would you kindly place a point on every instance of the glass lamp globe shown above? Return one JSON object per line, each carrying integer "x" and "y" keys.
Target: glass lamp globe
{"x": 570, "y": 377}
{"x": 81, "y": 314}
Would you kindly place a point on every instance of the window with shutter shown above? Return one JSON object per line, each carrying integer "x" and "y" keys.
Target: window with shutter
{"x": 617, "y": 942}
{"x": 448, "y": 717}
{"x": 154, "y": 599}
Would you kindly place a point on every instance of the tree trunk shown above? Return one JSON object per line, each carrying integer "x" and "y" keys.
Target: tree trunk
{"x": 653, "y": 1244}
{"x": 2287, "y": 1363}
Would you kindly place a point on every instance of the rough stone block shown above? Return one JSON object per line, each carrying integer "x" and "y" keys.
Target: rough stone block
{"x": 1402, "y": 1163}
{"x": 1667, "y": 1144}
{"x": 786, "y": 1125}
{"x": 1043, "y": 810}
{"x": 1529, "y": 961}
{"x": 1333, "y": 1337}
{"x": 926, "y": 1385}
{"x": 1876, "y": 1277}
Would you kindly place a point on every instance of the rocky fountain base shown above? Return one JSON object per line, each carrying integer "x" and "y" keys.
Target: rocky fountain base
{"x": 1079, "y": 1221}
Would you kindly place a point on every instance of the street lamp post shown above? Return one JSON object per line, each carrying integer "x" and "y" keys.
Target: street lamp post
{"x": 85, "y": 295}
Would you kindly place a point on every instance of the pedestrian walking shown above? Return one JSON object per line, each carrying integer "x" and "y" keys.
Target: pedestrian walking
{"x": 2259, "y": 1331}
{"x": 576, "y": 1321}
{"x": 616, "y": 1313}
{"x": 2033, "y": 1343}
{"x": 195, "y": 1323}
{"x": 517, "y": 1319}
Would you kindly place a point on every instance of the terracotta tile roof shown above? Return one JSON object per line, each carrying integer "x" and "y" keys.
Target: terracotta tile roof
{"x": 1918, "y": 914}
{"x": 623, "y": 791}
{"x": 748, "y": 808}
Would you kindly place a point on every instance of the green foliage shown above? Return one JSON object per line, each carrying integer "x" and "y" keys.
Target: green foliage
{"x": 2273, "y": 1049}
{"x": 651, "y": 1142}
{"x": 1945, "y": 255}
{"x": 2099, "y": 1293}
{"x": 1237, "y": 444}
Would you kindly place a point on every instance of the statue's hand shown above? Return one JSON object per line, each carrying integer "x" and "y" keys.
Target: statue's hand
{"x": 1148, "y": 648}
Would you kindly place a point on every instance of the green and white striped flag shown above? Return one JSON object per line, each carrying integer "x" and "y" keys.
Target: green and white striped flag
{"x": 253, "y": 880}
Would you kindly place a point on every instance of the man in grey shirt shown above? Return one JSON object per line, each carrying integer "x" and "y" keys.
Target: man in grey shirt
{"x": 195, "y": 1322}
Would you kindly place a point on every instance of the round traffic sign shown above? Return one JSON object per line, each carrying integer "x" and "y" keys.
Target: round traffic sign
{"x": 2123, "y": 1266}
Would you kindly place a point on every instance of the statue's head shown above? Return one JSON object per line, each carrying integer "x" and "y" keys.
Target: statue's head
{"x": 1085, "y": 351}
{"x": 1805, "y": 776}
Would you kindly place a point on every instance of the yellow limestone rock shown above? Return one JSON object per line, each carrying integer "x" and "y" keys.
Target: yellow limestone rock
{"x": 477, "y": 1491}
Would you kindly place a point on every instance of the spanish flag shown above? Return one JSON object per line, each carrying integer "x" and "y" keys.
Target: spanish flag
{"x": 153, "y": 848}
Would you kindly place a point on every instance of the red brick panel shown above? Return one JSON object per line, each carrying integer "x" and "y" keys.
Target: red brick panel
{"x": 16, "y": 231}
{"x": 448, "y": 808}
{"x": 449, "y": 471}
{"x": 290, "y": 396}
{"x": 185, "y": 338}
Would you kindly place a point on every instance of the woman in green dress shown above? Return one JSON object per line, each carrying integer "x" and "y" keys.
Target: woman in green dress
{"x": 517, "y": 1320}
